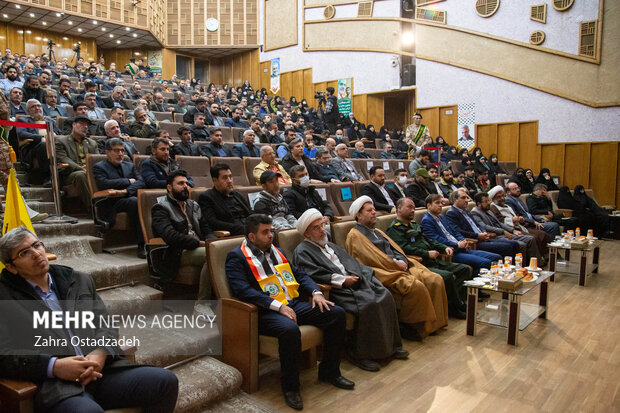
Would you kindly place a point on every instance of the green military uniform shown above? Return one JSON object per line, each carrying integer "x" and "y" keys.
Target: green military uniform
{"x": 411, "y": 239}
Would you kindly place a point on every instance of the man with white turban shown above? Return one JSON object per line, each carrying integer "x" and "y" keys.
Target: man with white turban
{"x": 419, "y": 293}
{"x": 354, "y": 288}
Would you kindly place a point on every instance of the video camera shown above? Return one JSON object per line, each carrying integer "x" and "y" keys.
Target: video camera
{"x": 320, "y": 96}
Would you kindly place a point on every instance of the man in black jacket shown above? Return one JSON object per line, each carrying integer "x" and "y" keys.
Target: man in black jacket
{"x": 180, "y": 222}
{"x": 123, "y": 180}
{"x": 302, "y": 196}
{"x": 375, "y": 189}
{"x": 185, "y": 147}
{"x": 82, "y": 378}
{"x": 215, "y": 147}
{"x": 224, "y": 208}
{"x": 418, "y": 190}
{"x": 201, "y": 107}
{"x": 198, "y": 130}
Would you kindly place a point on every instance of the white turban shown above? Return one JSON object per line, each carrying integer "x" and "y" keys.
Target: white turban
{"x": 307, "y": 218}
{"x": 494, "y": 191}
{"x": 358, "y": 204}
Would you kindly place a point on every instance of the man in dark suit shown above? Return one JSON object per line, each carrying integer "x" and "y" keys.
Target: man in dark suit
{"x": 224, "y": 208}
{"x": 155, "y": 170}
{"x": 246, "y": 148}
{"x": 201, "y": 107}
{"x": 281, "y": 313}
{"x": 418, "y": 190}
{"x": 376, "y": 190}
{"x": 186, "y": 147}
{"x": 70, "y": 378}
{"x": 302, "y": 196}
{"x": 51, "y": 107}
{"x": 215, "y": 147}
{"x": 115, "y": 100}
{"x": 324, "y": 167}
{"x": 198, "y": 130}
{"x": 462, "y": 219}
{"x": 15, "y": 102}
{"x": 123, "y": 181}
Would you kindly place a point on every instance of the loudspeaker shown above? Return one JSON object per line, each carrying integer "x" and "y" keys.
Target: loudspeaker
{"x": 407, "y": 75}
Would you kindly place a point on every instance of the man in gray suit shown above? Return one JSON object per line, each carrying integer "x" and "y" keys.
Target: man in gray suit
{"x": 487, "y": 221}
{"x": 343, "y": 166}
{"x": 72, "y": 150}
{"x": 51, "y": 107}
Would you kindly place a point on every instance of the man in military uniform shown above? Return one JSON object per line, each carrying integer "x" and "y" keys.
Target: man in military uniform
{"x": 408, "y": 235}
{"x": 417, "y": 136}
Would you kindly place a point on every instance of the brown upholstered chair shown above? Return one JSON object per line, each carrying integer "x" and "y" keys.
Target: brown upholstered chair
{"x": 198, "y": 167}
{"x": 240, "y": 178}
{"x": 363, "y": 165}
{"x": 237, "y": 134}
{"x": 138, "y": 159}
{"x": 384, "y": 221}
{"x": 509, "y": 167}
{"x": 340, "y": 230}
{"x": 241, "y": 343}
{"x": 249, "y": 163}
{"x": 325, "y": 191}
{"x": 171, "y": 127}
{"x": 340, "y": 191}
{"x": 226, "y": 133}
{"x": 161, "y": 116}
{"x": 142, "y": 144}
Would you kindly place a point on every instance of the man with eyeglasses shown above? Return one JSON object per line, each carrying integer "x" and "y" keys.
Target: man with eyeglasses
{"x": 122, "y": 181}
{"x": 78, "y": 377}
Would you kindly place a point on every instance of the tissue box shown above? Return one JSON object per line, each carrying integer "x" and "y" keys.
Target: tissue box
{"x": 581, "y": 244}
{"x": 510, "y": 283}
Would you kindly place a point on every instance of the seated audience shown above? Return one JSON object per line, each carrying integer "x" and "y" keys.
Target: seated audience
{"x": 198, "y": 130}
{"x": 32, "y": 90}
{"x": 185, "y": 147}
{"x": 51, "y": 107}
{"x": 438, "y": 227}
{"x": 302, "y": 196}
{"x": 419, "y": 189}
{"x": 122, "y": 177}
{"x": 112, "y": 130}
{"x": 421, "y": 161}
{"x": 180, "y": 222}
{"x": 309, "y": 148}
{"x": 529, "y": 220}
{"x": 462, "y": 219}
{"x": 282, "y": 313}
{"x": 397, "y": 189}
{"x": 72, "y": 150}
{"x": 268, "y": 163}
{"x": 235, "y": 121}
{"x": 201, "y": 107}
{"x": 581, "y": 215}
{"x": 83, "y": 378}
{"x": 15, "y": 102}
{"x": 524, "y": 184}
{"x": 539, "y": 203}
{"x": 421, "y": 293}
{"x": 296, "y": 157}
{"x": 376, "y": 191}
{"x": 387, "y": 152}
{"x": 92, "y": 111}
{"x": 270, "y": 202}
{"x": 143, "y": 127}
{"x": 354, "y": 288}
{"x": 545, "y": 178}
{"x": 599, "y": 218}
{"x": 324, "y": 167}
{"x": 448, "y": 183}
{"x": 215, "y": 146}
{"x": 494, "y": 166}
{"x": 159, "y": 165}
{"x": 289, "y": 135}
{"x": 470, "y": 181}
{"x": 343, "y": 166}
{"x": 360, "y": 151}
{"x": 405, "y": 232}
{"x": 247, "y": 148}
{"x": 224, "y": 208}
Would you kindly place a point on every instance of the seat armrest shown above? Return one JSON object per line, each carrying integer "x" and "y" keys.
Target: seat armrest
{"x": 343, "y": 218}
{"x": 157, "y": 241}
{"x": 108, "y": 193}
{"x": 565, "y": 212}
{"x": 234, "y": 304}
{"x": 325, "y": 289}
{"x": 221, "y": 234}
{"x": 17, "y": 395}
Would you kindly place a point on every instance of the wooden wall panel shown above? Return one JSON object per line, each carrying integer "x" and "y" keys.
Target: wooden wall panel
{"x": 360, "y": 108}
{"x": 577, "y": 164}
{"x": 528, "y": 144}
{"x": 297, "y": 87}
{"x": 486, "y": 137}
{"x": 430, "y": 117}
{"x": 508, "y": 142}
{"x": 552, "y": 157}
{"x": 375, "y": 109}
{"x": 264, "y": 75}
{"x": 603, "y": 171}
{"x": 308, "y": 92}
{"x": 448, "y": 124}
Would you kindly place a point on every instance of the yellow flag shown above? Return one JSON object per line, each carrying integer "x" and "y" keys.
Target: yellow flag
{"x": 15, "y": 212}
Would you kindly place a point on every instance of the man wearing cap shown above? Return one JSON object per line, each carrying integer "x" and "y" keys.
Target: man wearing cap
{"x": 260, "y": 274}
{"x": 408, "y": 235}
{"x": 417, "y": 135}
{"x": 421, "y": 293}
{"x": 268, "y": 163}
{"x": 418, "y": 190}
{"x": 247, "y": 148}
{"x": 355, "y": 289}
{"x": 271, "y": 202}
{"x": 72, "y": 150}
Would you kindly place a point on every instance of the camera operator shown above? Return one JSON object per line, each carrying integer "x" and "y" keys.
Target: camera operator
{"x": 330, "y": 113}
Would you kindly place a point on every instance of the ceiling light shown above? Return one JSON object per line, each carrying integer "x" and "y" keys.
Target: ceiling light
{"x": 58, "y": 14}
{"x": 80, "y": 29}
{"x": 17, "y": 6}
{"x": 45, "y": 39}
{"x": 69, "y": 22}
{"x": 28, "y": 32}
{"x": 118, "y": 42}
{"x": 6, "y": 16}
{"x": 95, "y": 22}
{"x": 127, "y": 29}
{"x": 37, "y": 38}
{"x": 65, "y": 38}
{"x": 111, "y": 35}
{"x": 135, "y": 35}
{"x": 137, "y": 53}
{"x": 103, "y": 29}
{"x": 31, "y": 14}
{"x": 407, "y": 39}
{"x": 20, "y": 31}
{"x": 44, "y": 23}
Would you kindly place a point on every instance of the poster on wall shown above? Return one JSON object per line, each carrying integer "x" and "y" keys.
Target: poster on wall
{"x": 466, "y": 121}
{"x": 345, "y": 94}
{"x": 154, "y": 60}
{"x": 275, "y": 75}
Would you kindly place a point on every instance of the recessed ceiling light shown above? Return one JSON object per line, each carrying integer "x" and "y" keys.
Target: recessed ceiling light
{"x": 111, "y": 35}
{"x": 69, "y": 22}
{"x": 118, "y": 42}
{"x": 65, "y": 38}
{"x": 37, "y": 38}
{"x": 58, "y": 14}
{"x": 137, "y": 53}
{"x": 135, "y": 35}
{"x": 79, "y": 29}
{"x": 31, "y": 14}
{"x": 6, "y": 16}
{"x": 127, "y": 29}
{"x": 17, "y": 6}
{"x": 28, "y": 32}
{"x": 103, "y": 29}
{"x": 95, "y": 22}
{"x": 44, "y": 23}
{"x": 45, "y": 39}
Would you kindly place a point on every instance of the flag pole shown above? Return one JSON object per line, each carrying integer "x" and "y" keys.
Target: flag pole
{"x": 50, "y": 145}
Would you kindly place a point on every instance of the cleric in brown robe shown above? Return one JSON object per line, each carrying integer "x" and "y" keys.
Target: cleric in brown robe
{"x": 420, "y": 292}
{"x": 376, "y": 334}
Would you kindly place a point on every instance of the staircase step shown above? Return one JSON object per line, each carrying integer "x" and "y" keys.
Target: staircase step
{"x": 136, "y": 299}
{"x": 204, "y": 382}
{"x": 71, "y": 245}
{"x": 34, "y": 192}
{"x": 84, "y": 226}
